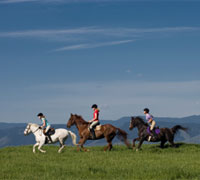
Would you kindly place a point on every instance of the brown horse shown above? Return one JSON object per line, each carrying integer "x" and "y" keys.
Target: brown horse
{"x": 165, "y": 134}
{"x": 106, "y": 131}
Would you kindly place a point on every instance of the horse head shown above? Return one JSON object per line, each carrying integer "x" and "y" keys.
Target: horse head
{"x": 71, "y": 120}
{"x": 27, "y": 129}
{"x": 132, "y": 123}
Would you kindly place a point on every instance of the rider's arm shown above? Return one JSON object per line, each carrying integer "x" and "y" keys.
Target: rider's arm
{"x": 95, "y": 118}
{"x": 150, "y": 120}
{"x": 44, "y": 122}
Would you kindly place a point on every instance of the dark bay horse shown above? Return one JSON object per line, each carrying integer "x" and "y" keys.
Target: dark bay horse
{"x": 165, "y": 134}
{"x": 106, "y": 131}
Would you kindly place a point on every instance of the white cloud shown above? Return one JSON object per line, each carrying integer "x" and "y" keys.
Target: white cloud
{"x": 91, "y": 37}
{"x": 94, "y": 45}
{"x": 114, "y": 32}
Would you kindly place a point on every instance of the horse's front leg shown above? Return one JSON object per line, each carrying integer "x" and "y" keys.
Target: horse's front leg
{"x": 134, "y": 140}
{"x": 36, "y": 144}
{"x": 140, "y": 144}
{"x": 81, "y": 142}
{"x": 39, "y": 147}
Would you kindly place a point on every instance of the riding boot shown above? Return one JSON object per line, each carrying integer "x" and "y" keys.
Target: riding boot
{"x": 48, "y": 137}
{"x": 93, "y": 133}
{"x": 153, "y": 134}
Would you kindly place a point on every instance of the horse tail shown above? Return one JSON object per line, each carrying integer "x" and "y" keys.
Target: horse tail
{"x": 122, "y": 135}
{"x": 73, "y": 136}
{"x": 176, "y": 128}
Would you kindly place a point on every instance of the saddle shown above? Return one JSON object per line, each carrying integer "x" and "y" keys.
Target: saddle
{"x": 95, "y": 128}
{"x": 156, "y": 130}
{"x": 50, "y": 132}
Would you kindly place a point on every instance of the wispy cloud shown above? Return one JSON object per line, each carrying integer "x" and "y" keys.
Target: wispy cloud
{"x": 88, "y": 46}
{"x": 16, "y": 1}
{"x": 91, "y": 37}
{"x": 93, "y": 30}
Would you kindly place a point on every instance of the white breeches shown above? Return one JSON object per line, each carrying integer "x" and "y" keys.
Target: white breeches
{"x": 47, "y": 128}
{"x": 93, "y": 124}
{"x": 153, "y": 123}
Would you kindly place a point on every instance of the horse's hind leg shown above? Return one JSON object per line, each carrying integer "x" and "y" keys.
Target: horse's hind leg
{"x": 170, "y": 139}
{"x": 162, "y": 143}
{"x": 109, "y": 140}
{"x": 61, "y": 141}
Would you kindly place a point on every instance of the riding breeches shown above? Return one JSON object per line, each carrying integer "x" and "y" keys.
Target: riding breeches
{"x": 94, "y": 123}
{"x": 47, "y": 128}
{"x": 153, "y": 123}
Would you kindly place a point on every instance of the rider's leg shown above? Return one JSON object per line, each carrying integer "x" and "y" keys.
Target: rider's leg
{"x": 153, "y": 123}
{"x": 94, "y": 123}
{"x": 47, "y": 133}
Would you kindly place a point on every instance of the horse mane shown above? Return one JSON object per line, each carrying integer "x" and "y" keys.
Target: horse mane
{"x": 80, "y": 119}
{"x": 140, "y": 120}
{"x": 33, "y": 124}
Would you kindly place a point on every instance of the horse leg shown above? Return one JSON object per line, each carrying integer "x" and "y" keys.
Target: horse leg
{"x": 36, "y": 144}
{"x": 61, "y": 141}
{"x": 162, "y": 143}
{"x": 39, "y": 147}
{"x": 172, "y": 143}
{"x": 81, "y": 142}
{"x": 140, "y": 144}
{"x": 134, "y": 140}
{"x": 170, "y": 139}
{"x": 109, "y": 140}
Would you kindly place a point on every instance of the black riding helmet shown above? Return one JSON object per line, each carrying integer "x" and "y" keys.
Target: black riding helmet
{"x": 146, "y": 110}
{"x": 94, "y": 106}
{"x": 40, "y": 114}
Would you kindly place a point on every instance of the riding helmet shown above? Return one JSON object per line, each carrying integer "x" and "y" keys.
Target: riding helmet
{"x": 40, "y": 114}
{"x": 94, "y": 106}
{"x": 146, "y": 110}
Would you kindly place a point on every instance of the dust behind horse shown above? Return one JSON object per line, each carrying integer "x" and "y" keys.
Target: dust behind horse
{"x": 106, "y": 131}
{"x": 166, "y": 134}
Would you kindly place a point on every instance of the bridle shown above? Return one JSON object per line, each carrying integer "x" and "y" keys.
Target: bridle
{"x": 28, "y": 128}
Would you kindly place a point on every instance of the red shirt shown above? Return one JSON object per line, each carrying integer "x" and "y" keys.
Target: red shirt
{"x": 96, "y": 114}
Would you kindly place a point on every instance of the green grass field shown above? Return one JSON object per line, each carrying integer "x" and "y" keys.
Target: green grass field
{"x": 120, "y": 163}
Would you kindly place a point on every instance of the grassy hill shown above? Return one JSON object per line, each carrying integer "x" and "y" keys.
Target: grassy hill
{"x": 121, "y": 163}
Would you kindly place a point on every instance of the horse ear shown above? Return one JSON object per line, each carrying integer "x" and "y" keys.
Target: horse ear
{"x": 71, "y": 114}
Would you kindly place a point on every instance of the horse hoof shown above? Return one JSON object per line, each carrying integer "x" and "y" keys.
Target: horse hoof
{"x": 137, "y": 150}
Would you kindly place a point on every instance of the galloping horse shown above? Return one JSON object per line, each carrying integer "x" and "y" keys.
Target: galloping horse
{"x": 165, "y": 134}
{"x": 106, "y": 131}
{"x": 60, "y": 135}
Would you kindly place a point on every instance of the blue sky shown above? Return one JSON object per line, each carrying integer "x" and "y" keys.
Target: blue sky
{"x": 61, "y": 56}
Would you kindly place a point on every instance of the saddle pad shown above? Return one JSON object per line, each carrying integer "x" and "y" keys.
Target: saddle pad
{"x": 98, "y": 127}
{"x": 157, "y": 130}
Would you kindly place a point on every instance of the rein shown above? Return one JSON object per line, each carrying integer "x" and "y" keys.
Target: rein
{"x": 36, "y": 129}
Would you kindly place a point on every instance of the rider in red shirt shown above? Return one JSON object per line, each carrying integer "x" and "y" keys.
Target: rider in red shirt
{"x": 95, "y": 121}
